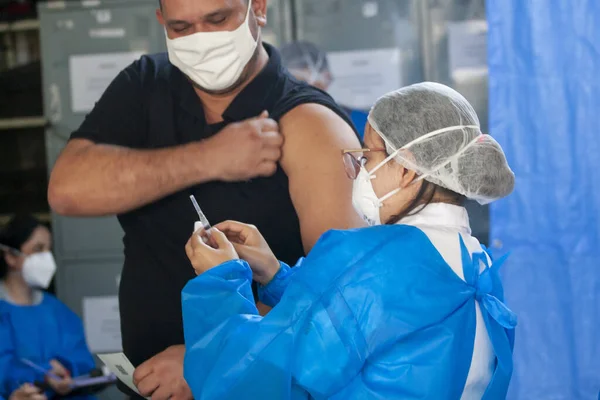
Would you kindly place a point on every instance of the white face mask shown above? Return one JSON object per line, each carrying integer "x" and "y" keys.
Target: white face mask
{"x": 39, "y": 269}
{"x": 364, "y": 198}
{"x": 214, "y": 60}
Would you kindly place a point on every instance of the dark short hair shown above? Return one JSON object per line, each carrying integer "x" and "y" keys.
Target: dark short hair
{"x": 160, "y": 3}
{"x": 15, "y": 234}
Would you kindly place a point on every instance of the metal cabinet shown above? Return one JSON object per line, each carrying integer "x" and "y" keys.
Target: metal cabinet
{"x": 89, "y": 251}
{"x": 373, "y": 46}
{"x": 83, "y": 29}
{"x": 279, "y": 27}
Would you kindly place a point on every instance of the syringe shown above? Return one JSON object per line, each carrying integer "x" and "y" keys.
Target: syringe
{"x": 203, "y": 221}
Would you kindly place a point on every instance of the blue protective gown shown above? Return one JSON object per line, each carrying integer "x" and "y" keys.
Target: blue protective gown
{"x": 374, "y": 313}
{"x": 40, "y": 333}
{"x": 359, "y": 119}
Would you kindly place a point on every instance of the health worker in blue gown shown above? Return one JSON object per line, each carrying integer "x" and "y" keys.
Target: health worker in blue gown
{"x": 409, "y": 308}
{"x": 35, "y": 327}
{"x": 307, "y": 63}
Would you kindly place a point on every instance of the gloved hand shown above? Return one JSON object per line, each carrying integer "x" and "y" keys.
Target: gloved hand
{"x": 205, "y": 253}
{"x": 252, "y": 247}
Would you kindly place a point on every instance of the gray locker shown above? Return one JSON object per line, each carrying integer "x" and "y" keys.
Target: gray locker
{"x": 279, "y": 23}
{"x": 89, "y": 251}
{"x": 89, "y": 278}
{"x": 70, "y": 30}
{"x": 445, "y": 23}
{"x": 346, "y": 25}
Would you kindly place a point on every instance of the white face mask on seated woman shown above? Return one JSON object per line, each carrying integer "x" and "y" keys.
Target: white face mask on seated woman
{"x": 38, "y": 269}
{"x": 457, "y": 156}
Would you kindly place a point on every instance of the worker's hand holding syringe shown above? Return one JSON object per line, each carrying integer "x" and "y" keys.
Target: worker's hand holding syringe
{"x": 208, "y": 247}
{"x": 212, "y": 246}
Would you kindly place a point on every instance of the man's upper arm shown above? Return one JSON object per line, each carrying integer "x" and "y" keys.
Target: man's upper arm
{"x": 319, "y": 187}
{"x": 118, "y": 118}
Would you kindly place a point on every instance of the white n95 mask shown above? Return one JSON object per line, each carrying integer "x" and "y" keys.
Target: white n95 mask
{"x": 214, "y": 60}
{"x": 39, "y": 269}
{"x": 364, "y": 198}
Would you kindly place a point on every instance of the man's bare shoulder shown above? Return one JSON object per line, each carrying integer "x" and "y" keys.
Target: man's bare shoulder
{"x": 319, "y": 122}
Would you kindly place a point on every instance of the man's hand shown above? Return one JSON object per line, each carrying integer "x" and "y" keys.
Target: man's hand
{"x": 27, "y": 392}
{"x": 62, "y": 386}
{"x": 247, "y": 149}
{"x": 162, "y": 376}
{"x": 92, "y": 179}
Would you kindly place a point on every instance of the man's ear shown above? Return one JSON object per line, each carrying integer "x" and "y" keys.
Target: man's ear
{"x": 259, "y": 7}
{"x": 159, "y": 17}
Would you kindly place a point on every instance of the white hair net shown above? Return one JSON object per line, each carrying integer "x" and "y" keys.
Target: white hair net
{"x": 306, "y": 61}
{"x": 433, "y": 130}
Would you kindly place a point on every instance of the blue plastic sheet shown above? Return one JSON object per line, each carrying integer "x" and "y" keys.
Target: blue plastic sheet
{"x": 545, "y": 111}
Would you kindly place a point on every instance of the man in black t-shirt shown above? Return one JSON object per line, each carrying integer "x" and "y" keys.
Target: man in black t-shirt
{"x": 218, "y": 117}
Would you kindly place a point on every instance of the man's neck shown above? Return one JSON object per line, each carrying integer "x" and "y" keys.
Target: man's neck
{"x": 214, "y": 105}
{"x": 18, "y": 290}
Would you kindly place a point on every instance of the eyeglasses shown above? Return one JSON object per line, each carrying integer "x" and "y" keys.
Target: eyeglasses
{"x": 352, "y": 164}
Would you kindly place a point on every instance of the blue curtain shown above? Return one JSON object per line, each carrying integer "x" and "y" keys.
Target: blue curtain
{"x": 544, "y": 59}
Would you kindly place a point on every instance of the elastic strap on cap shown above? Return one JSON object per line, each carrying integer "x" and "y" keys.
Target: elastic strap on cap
{"x": 451, "y": 160}
{"x": 417, "y": 140}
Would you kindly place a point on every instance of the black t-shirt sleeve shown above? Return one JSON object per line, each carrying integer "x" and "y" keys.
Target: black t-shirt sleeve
{"x": 118, "y": 118}
{"x": 304, "y": 94}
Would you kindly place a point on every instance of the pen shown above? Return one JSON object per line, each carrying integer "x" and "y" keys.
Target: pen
{"x": 40, "y": 369}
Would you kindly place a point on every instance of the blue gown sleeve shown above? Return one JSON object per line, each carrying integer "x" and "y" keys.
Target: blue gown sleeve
{"x": 69, "y": 348}
{"x": 233, "y": 353}
{"x": 13, "y": 373}
{"x": 271, "y": 293}
{"x": 74, "y": 354}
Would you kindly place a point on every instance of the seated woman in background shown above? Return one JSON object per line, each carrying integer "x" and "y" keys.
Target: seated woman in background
{"x": 35, "y": 327}
{"x": 412, "y": 309}
{"x": 307, "y": 63}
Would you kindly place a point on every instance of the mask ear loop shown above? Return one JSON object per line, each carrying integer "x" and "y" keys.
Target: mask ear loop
{"x": 387, "y": 196}
{"x": 11, "y": 250}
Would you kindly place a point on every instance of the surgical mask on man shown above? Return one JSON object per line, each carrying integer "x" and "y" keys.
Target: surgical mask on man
{"x": 214, "y": 60}
{"x": 39, "y": 269}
